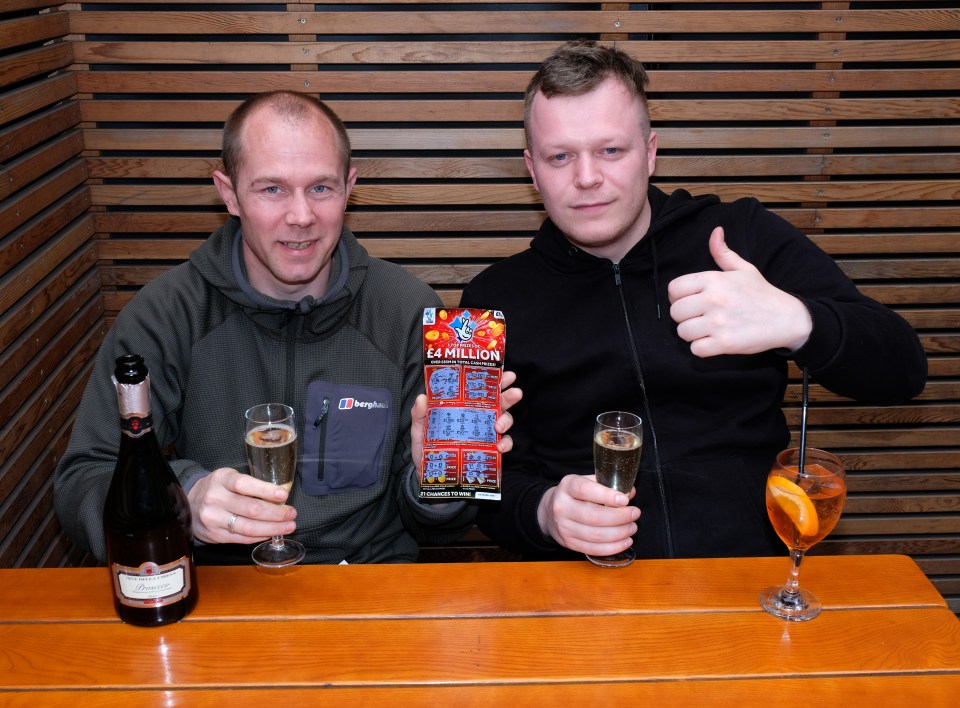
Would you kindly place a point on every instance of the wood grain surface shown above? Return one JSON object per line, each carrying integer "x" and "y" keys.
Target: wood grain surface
{"x": 475, "y": 634}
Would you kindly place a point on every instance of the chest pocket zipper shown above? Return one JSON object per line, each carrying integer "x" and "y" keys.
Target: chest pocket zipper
{"x": 321, "y": 422}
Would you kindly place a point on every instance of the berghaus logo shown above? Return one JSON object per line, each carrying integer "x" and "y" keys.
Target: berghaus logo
{"x": 347, "y": 404}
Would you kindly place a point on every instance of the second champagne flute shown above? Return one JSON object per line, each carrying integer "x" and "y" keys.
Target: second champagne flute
{"x": 617, "y": 445}
{"x": 271, "y": 442}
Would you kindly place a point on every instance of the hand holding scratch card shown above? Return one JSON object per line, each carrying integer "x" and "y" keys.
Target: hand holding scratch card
{"x": 463, "y": 363}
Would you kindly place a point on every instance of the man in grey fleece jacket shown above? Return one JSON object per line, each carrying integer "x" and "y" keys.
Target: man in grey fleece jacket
{"x": 281, "y": 304}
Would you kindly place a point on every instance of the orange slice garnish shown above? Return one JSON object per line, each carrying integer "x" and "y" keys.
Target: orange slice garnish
{"x": 795, "y": 503}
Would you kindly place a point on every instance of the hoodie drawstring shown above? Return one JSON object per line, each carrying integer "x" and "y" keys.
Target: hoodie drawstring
{"x": 656, "y": 274}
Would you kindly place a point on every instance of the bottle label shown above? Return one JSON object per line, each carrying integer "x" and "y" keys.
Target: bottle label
{"x": 152, "y": 585}
{"x": 135, "y": 426}
{"x": 134, "y": 401}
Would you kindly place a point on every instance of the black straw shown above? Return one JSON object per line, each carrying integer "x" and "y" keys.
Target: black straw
{"x": 804, "y": 396}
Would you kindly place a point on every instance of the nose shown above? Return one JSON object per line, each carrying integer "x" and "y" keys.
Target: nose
{"x": 587, "y": 174}
{"x": 300, "y": 212}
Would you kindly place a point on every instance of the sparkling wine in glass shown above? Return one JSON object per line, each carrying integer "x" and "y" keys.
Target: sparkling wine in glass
{"x": 617, "y": 445}
{"x": 804, "y": 505}
{"x": 271, "y": 442}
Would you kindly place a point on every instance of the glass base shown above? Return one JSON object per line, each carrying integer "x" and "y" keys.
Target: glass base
{"x": 801, "y": 607}
{"x": 271, "y": 554}
{"x": 618, "y": 560}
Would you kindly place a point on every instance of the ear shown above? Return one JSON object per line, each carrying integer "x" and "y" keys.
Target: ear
{"x": 652, "y": 153}
{"x": 528, "y": 161}
{"x": 227, "y": 193}
{"x": 351, "y": 180}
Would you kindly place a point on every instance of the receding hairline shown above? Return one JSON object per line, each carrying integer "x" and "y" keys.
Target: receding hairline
{"x": 308, "y": 113}
{"x": 290, "y": 106}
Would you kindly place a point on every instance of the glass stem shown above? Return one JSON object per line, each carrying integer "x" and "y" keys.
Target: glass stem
{"x": 277, "y": 543}
{"x": 791, "y": 591}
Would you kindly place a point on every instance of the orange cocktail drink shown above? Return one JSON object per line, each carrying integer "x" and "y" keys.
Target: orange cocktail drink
{"x": 804, "y": 508}
{"x": 804, "y": 501}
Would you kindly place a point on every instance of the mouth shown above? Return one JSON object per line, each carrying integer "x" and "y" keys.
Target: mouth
{"x": 591, "y": 205}
{"x": 298, "y": 245}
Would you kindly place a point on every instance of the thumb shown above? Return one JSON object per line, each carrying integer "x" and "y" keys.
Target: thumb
{"x": 724, "y": 257}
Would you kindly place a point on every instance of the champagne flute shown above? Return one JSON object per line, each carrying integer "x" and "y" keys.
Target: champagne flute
{"x": 271, "y": 443}
{"x": 617, "y": 445}
{"x": 805, "y": 495}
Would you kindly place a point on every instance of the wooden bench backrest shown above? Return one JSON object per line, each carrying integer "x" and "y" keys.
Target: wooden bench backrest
{"x": 844, "y": 117}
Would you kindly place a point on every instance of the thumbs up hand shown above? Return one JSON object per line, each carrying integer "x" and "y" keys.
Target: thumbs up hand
{"x": 735, "y": 310}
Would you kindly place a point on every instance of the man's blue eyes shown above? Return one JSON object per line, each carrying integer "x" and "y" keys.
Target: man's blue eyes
{"x": 319, "y": 189}
{"x": 563, "y": 157}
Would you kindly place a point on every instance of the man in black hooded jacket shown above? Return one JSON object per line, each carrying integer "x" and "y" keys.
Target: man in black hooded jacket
{"x": 681, "y": 309}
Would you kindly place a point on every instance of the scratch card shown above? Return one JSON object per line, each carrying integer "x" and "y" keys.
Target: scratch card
{"x": 463, "y": 352}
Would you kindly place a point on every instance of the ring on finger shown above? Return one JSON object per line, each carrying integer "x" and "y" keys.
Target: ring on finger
{"x": 231, "y": 523}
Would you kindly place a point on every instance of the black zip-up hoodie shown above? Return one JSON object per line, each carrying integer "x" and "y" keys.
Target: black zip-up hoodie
{"x": 586, "y": 335}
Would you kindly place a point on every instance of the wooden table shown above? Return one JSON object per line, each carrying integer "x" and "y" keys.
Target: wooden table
{"x": 524, "y": 634}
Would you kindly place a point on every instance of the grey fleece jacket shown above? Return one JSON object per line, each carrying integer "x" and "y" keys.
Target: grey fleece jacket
{"x": 350, "y": 365}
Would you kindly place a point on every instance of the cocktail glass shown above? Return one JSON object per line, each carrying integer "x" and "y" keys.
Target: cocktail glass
{"x": 805, "y": 498}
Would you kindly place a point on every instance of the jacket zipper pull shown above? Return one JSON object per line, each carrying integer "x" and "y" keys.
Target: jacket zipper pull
{"x": 616, "y": 274}
{"x": 321, "y": 421}
{"x": 323, "y": 413}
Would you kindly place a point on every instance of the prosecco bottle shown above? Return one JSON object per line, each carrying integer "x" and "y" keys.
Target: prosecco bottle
{"x": 146, "y": 517}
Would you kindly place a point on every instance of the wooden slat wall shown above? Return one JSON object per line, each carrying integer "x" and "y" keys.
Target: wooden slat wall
{"x": 51, "y": 312}
{"x": 844, "y": 117}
